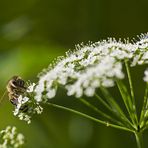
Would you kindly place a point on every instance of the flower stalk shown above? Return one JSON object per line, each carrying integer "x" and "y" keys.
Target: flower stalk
{"x": 139, "y": 139}
{"x": 110, "y": 118}
{"x": 132, "y": 103}
{"x": 90, "y": 117}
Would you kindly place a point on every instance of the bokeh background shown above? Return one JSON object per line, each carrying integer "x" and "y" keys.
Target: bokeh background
{"x": 33, "y": 33}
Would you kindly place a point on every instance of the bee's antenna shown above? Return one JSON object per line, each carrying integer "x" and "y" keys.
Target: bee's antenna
{"x": 2, "y": 97}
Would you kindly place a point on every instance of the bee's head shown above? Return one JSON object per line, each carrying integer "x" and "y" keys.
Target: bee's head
{"x": 17, "y": 81}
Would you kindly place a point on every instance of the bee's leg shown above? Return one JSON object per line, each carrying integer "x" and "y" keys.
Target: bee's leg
{"x": 24, "y": 108}
{"x": 14, "y": 101}
{"x": 18, "y": 91}
{"x": 13, "y": 83}
{"x": 13, "y": 98}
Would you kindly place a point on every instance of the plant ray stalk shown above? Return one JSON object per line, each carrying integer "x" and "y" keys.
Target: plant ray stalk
{"x": 144, "y": 107}
{"x": 100, "y": 112}
{"x": 103, "y": 102}
{"x": 139, "y": 140}
{"x": 133, "y": 105}
{"x": 110, "y": 108}
{"x": 116, "y": 108}
{"x": 90, "y": 117}
{"x": 127, "y": 101}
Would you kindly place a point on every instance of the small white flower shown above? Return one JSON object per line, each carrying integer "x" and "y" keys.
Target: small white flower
{"x": 107, "y": 83}
{"x": 27, "y": 119}
{"x": 39, "y": 109}
{"x": 24, "y": 100}
{"x": 89, "y": 91}
{"x": 51, "y": 93}
{"x": 31, "y": 88}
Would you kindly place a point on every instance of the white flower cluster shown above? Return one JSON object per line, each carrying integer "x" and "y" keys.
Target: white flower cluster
{"x": 141, "y": 55}
{"x": 21, "y": 101}
{"x": 90, "y": 67}
{"x": 83, "y": 71}
{"x": 27, "y": 106}
{"x": 96, "y": 76}
{"x": 10, "y": 138}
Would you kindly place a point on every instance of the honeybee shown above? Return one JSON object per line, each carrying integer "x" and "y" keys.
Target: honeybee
{"x": 15, "y": 88}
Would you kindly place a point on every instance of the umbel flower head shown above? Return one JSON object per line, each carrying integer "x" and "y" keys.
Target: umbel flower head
{"x": 99, "y": 64}
{"x": 9, "y": 138}
{"x": 82, "y": 71}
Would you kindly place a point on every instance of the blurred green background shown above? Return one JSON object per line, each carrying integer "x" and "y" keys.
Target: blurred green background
{"x": 33, "y": 33}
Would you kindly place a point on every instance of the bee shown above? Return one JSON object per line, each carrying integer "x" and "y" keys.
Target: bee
{"x": 15, "y": 88}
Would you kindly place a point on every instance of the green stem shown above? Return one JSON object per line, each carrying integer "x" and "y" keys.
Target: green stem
{"x": 144, "y": 127}
{"x": 130, "y": 81}
{"x": 111, "y": 109}
{"x": 139, "y": 140}
{"x": 116, "y": 108}
{"x": 103, "y": 102}
{"x": 90, "y": 117}
{"x": 144, "y": 107}
{"x": 127, "y": 101}
{"x": 132, "y": 92}
{"x": 99, "y": 111}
